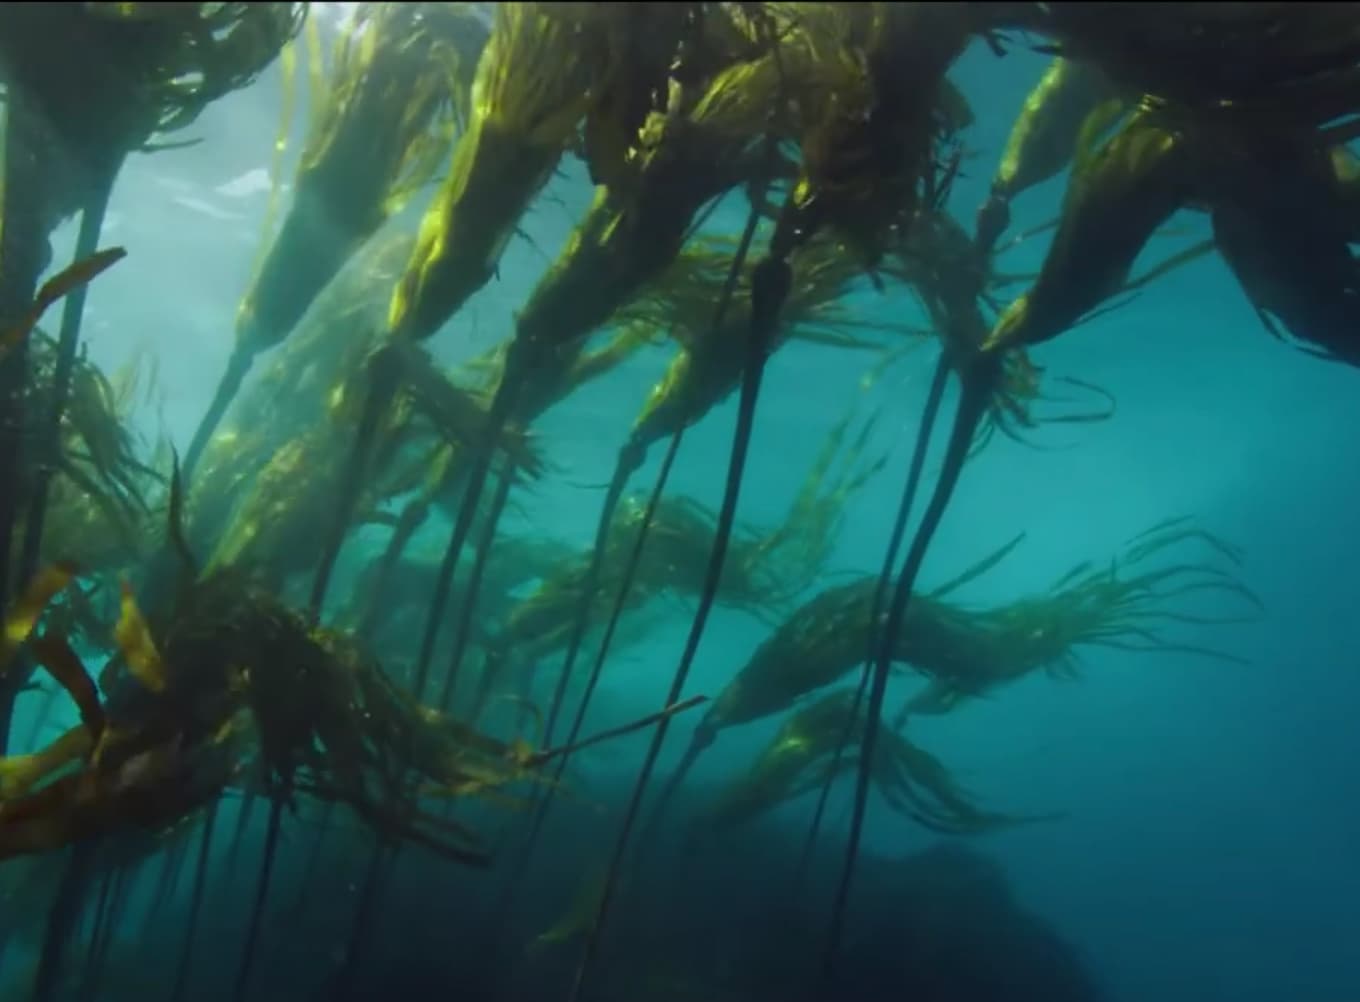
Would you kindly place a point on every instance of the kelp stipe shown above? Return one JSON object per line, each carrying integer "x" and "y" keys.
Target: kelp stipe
{"x": 924, "y": 433}
{"x": 978, "y": 377}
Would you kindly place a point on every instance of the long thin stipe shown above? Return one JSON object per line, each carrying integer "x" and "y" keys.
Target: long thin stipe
{"x": 99, "y": 948}
{"x": 172, "y": 862}
{"x": 977, "y": 385}
{"x": 770, "y": 286}
{"x": 62, "y": 918}
{"x": 383, "y": 380}
{"x": 238, "y": 832}
{"x": 625, "y": 586}
{"x": 474, "y": 583}
{"x": 369, "y": 896}
{"x": 68, "y": 342}
{"x": 493, "y": 667}
{"x": 372, "y": 890}
{"x": 616, "y": 613}
{"x": 696, "y": 746}
{"x": 309, "y": 871}
{"x": 22, "y": 240}
{"x": 496, "y": 418}
{"x": 44, "y": 463}
{"x": 186, "y": 951}
{"x": 543, "y": 800}
{"x": 412, "y": 517}
{"x": 630, "y": 458}
{"x": 101, "y": 921}
{"x": 502, "y": 405}
{"x": 924, "y": 432}
{"x": 271, "y": 845}
{"x": 673, "y": 783}
{"x": 238, "y": 367}
{"x": 610, "y": 733}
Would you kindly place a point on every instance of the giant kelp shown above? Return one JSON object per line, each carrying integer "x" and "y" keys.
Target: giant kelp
{"x": 398, "y": 81}
{"x": 837, "y": 128}
{"x": 802, "y": 756}
{"x": 967, "y": 652}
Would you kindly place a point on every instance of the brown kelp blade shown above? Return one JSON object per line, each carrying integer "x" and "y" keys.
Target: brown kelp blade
{"x": 23, "y": 616}
{"x": 20, "y": 773}
{"x": 134, "y": 640}
{"x": 54, "y": 653}
{"x": 55, "y": 288}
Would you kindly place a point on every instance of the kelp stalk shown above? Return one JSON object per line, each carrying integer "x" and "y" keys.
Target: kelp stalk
{"x": 22, "y": 247}
{"x": 370, "y": 893}
{"x": 545, "y": 801}
{"x": 186, "y": 951}
{"x": 979, "y": 380}
{"x": 238, "y": 367}
{"x": 271, "y": 845}
{"x": 474, "y": 583}
{"x": 62, "y": 918}
{"x": 502, "y": 405}
{"x": 172, "y": 862}
{"x": 112, "y": 899}
{"x": 770, "y": 286}
{"x": 630, "y": 458}
{"x": 73, "y": 309}
{"x": 383, "y": 370}
{"x": 372, "y": 887}
{"x": 924, "y": 433}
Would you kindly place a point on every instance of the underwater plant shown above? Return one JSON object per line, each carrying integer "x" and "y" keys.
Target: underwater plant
{"x": 837, "y": 129}
{"x": 399, "y": 80}
{"x": 965, "y": 652}
{"x": 1070, "y": 106}
{"x": 798, "y": 758}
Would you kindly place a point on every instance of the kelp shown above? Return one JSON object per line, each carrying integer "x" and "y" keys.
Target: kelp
{"x": 534, "y": 83}
{"x": 235, "y": 688}
{"x": 1126, "y": 605}
{"x": 707, "y": 367}
{"x": 122, "y": 79}
{"x": 307, "y": 381}
{"x": 767, "y": 572}
{"x": 1072, "y": 103}
{"x": 796, "y": 761}
{"x": 100, "y": 503}
{"x": 399, "y": 80}
{"x": 400, "y": 77}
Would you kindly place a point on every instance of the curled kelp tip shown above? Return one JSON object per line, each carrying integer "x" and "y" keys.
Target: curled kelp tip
{"x": 56, "y": 288}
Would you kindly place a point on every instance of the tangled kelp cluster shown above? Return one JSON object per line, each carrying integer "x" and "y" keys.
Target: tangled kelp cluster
{"x": 321, "y": 652}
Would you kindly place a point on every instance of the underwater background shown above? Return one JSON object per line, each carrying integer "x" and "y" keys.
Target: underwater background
{"x": 1203, "y": 843}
